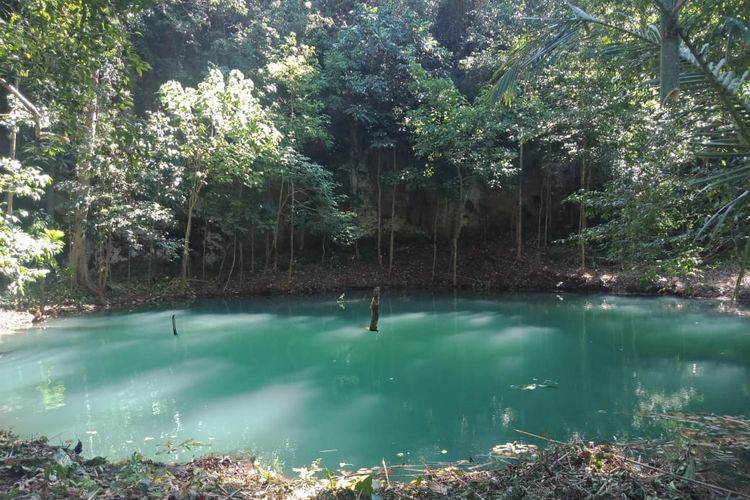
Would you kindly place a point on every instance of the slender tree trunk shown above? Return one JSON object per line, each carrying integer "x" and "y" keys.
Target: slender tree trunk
{"x": 224, "y": 253}
{"x": 128, "y": 269}
{"x": 458, "y": 223}
{"x": 582, "y": 218}
{"x": 252, "y": 249}
{"x": 380, "y": 213}
{"x": 743, "y": 268}
{"x": 434, "y": 238}
{"x": 231, "y": 268}
{"x": 268, "y": 252}
{"x": 150, "y": 262}
{"x": 548, "y": 212}
{"x": 242, "y": 265}
{"x": 203, "y": 258}
{"x": 519, "y": 225}
{"x": 393, "y": 217}
{"x": 188, "y": 228}
{"x": 540, "y": 212}
{"x": 78, "y": 247}
{"x": 669, "y": 74}
{"x": 291, "y": 229}
{"x": 277, "y": 228}
{"x": 323, "y": 250}
{"x": 12, "y": 140}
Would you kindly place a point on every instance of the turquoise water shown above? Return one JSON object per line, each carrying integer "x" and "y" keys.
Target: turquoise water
{"x": 294, "y": 379}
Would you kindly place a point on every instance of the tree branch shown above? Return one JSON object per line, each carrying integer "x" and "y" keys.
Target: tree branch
{"x": 28, "y": 105}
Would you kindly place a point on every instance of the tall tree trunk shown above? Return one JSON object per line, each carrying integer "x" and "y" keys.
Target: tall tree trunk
{"x": 267, "y": 253}
{"x": 393, "y": 217}
{"x": 203, "y": 257}
{"x": 582, "y": 218}
{"x": 78, "y": 246}
{"x": 291, "y": 229}
{"x": 242, "y": 265}
{"x": 231, "y": 268}
{"x": 434, "y": 238}
{"x": 252, "y": 249}
{"x": 323, "y": 250}
{"x": 277, "y": 228}
{"x": 519, "y": 217}
{"x": 669, "y": 72}
{"x": 539, "y": 213}
{"x": 192, "y": 200}
{"x": 743, "y": 268}
{"x": 12, "y": 140}
{"x": 380, "y": 213}
{"x": 458, "y": 224}
{"x": 548, "y": 211}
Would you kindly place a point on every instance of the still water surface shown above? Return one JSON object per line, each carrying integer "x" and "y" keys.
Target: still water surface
{"x": 294, "y": 379}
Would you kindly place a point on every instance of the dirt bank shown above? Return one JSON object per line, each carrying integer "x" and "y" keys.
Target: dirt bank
{"x": 483, "y": 268}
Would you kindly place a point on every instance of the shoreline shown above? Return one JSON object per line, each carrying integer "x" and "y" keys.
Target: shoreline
{"x": 715, "y": 284}
{"x": 531, "y": 467}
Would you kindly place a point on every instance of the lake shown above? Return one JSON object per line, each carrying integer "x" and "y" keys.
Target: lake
{"x": 298, "y": 378}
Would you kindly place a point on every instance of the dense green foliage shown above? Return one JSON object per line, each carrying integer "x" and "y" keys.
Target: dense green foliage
{"x": 235, "y": 133}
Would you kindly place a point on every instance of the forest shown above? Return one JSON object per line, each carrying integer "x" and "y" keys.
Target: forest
{"x": 234, "y": 187}
{"x": 208, "y": 140}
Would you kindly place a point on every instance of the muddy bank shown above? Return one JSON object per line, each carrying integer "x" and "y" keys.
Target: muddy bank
{"x": 483, "y": 268}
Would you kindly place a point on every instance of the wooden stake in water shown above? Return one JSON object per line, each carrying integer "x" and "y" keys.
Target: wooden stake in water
{"x": 375, "y": 309}
{"x": 174, "y": 326}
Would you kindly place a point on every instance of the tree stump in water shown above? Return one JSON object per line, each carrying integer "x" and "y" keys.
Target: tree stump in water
{"x": 174, "y": 326}
{"x": 375, "y": 309}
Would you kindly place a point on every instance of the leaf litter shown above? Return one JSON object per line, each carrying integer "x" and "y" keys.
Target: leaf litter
{"x": 702, "y": 456}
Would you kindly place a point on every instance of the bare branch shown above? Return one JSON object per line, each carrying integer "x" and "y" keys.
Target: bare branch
{"x": 28, "y": 105}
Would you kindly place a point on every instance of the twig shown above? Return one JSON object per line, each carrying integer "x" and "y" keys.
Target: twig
{"x": 561, "y": 458}
{"x": 94, "y": 493}
{"x": 466, "y": 484}
{"x": 696, "y": 481}
{"x": 385, "y": 468}
{"x": 541, "y": 437}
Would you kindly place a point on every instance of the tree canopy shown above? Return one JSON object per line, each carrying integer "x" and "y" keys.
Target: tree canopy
{"x": 273, "y": 136}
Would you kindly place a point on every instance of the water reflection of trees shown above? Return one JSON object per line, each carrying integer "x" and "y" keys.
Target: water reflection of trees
{"x": 53, "y": 393}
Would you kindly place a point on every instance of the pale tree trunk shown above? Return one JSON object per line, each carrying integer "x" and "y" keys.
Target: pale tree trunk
{"x": 548, "y": 214}
{"x": 393, "y": 216}
{"x": 539, "y": 213}
{"x": 267, "y": 252}
{"x": 252, "y": 249}
{"x": 291, "y": 229}
{"x": 519, "y": 225}
{"x": 458, "y": 224}
{"x": 242, "y": 264}
{"x": 434, "y": 238}
{"x": 380, "y": 213}
{"x": 203, "y": 258}
{"x": 231, "y": 268}
{"x": 12, "y": 140}
{"x": 669, "y": 71}
{"x": 582, "y": 219}
{"x": 744, "y": 261}
{"x": 277, "y": 228}
{"x": 193, "y": 199}
{"x": 78, "y": 246}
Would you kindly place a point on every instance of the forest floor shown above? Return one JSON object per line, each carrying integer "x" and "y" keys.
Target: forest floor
{"x": 707, "y": 457}
{"x": 487, "y": 268}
